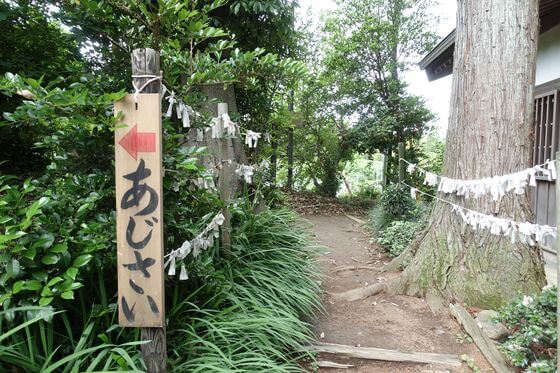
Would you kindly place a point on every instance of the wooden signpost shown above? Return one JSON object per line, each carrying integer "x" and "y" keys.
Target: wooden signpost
{"x": 139, "y": 200}
{"x": 139, "y": 212}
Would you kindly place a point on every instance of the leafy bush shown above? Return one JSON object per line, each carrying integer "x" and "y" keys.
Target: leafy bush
{"x": 532, "y": 346}
{"x": 396, "y": 237}
{"x": 396, "y": 201}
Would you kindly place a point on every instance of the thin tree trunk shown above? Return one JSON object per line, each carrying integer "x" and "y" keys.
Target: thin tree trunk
{"x": 274, "y": 156}
{"x": 489, "y": 134}
{"x": 290, "y": 148}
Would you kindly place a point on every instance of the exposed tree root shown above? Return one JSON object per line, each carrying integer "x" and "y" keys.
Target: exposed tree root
{"x": 363, "y": 292}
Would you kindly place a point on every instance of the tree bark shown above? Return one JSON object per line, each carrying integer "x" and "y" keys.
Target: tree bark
{"x": 489, "y": 134}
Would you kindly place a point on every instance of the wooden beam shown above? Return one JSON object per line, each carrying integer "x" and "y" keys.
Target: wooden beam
{"x": 371, "y": 353}
{"x": 332, "y": 364}
{"x": 484, "y": 343}
{"x": 357, "y": 220}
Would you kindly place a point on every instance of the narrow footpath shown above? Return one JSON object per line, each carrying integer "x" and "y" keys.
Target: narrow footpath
{"x": 383, "y": 321}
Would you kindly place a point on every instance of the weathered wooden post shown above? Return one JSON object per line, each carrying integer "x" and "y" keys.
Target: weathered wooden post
{"x": 384, "y": 170}
{"x": 138, "y": 174}
{"x": 401, "y": 162}
{"x": 557, "y": 165}
{"x": 224, "y": 181}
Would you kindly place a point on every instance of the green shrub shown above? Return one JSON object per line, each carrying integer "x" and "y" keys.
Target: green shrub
{"x": 396, "y": 237}
{"x": 532, "y": 346}
{"x": 396, "y": 201}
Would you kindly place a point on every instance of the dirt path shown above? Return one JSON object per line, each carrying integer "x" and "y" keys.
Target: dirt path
{"x": 383, "y": 321}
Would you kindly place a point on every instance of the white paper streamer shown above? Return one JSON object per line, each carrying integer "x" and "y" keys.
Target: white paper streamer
{"x": 410, "y": 168}
{"x": 186, "y": 119}
{"x": 246, "y": 172}
{"x": 183, "y": 275}
{"x": 529, "y": 233}
{"x": 252, "y": 138}
{"x": 171, "y": 100}
{"x": 195, "y": 246}
{"x": 217, "y": 128}
{"x": 496, "y": 186}
{"x": 431, "y": 179}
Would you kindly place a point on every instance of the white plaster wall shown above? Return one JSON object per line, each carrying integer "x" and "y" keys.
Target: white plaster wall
{"x": 548, "y": 56}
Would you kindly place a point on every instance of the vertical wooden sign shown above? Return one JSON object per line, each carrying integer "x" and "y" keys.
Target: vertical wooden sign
{"x": 138, "y": 175}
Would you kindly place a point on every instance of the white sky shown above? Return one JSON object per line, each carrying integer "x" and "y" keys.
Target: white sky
{"x": 437, "y": 93}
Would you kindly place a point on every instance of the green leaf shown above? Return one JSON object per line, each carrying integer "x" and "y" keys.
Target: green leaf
{"x": 33, "y": 285}
{"x": 30, "y": 253}
{"x": 11, "y": 236}
{"x": 5, "y": 297}
{"x": 50, "y": 259}
{"x": 18, "y": 249}
{"x": 82, "y": 260}
{"x": 54, "y": 281}
{"x": 59, "y": 248}
{"x": 68, "y": 294}
{"x": 71, "y": 273}
{"x": 35, "y": 208}
{"x": 40, "y": 275}
{"x": 13, "y": 268}
{"x": 83, "y": 209}
{"x": 45, "y": 241}
{"x": 18, "y": 286}
{"x": 46, "y": 291}
{"x": 45, "y": 301}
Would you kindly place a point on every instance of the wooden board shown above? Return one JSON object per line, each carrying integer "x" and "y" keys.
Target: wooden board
{"x": 483, "y": 342}
{"x": 138, "y": 175}
{"x": 387, "y": 355}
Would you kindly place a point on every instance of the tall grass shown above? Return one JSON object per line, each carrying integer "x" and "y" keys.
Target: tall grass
{"x": 255, "y": 321}
{"x": 32, "y": 344}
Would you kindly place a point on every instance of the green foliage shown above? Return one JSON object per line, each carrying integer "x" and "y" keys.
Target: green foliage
{"x": 396, "y": 237}
{"x": 396, "y": 201}
{"x": 32, "y": 45}
{"x": 369, "y": 45}
{"x": 244, "y": 316}
{"x": 532, "y": 346}
{"x": 364, "y": 175}
{"x": 431, "y": 149}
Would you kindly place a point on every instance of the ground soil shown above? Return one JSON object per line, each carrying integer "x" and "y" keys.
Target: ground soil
{"x": 384, "y": 321}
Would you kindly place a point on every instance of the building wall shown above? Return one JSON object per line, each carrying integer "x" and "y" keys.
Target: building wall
{"x": 548, "y": 56}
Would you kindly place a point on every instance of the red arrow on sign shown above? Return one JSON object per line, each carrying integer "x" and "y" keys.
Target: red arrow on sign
{"x": 134, "y": 142}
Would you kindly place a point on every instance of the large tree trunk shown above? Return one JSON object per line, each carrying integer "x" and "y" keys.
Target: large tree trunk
{"x": 489, "y": 134}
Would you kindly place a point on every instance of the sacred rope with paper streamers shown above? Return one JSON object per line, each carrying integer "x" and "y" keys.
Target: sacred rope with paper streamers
{"x": 497, "y": 186}
{"x": 202, "y": 241}
{"x": 528, "y": 233}
{"x": 226, "y": 127}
